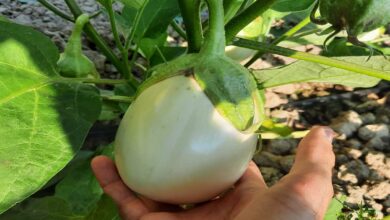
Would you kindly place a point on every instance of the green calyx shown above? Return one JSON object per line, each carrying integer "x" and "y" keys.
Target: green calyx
{"x": 356, "y": 16}
{"x": 72, "y": 62}
{"x": 229, "y": 86}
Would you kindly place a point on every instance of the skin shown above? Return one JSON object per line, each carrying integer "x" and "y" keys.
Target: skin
{"x": 302, "y": 194}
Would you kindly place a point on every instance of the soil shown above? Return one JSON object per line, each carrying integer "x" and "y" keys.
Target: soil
{"x": 361, "y": 117}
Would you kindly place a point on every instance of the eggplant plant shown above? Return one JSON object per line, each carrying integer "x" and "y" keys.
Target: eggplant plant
{"x": 189, "y": 118}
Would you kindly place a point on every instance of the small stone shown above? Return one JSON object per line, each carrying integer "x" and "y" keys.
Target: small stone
{"x": 356, "y": 194}
{"x": 386, "y": 203}
{"x": 341, "y": 159}
{"x": 270, "y": 175}
{"x": 266, "y": 159}
{"x": 97, "y": 58}
{"x": 23, "y": 19}
{"x": 280, "y": 114}
{"x": 353, "y": 172}
{"x": 273, "y": 100}
{"x": 368, "y": 118}
{"x": 379, "y": 162}
{"x": 379, "y": 191}
{"x": 346, "y": 123}
{"x": 377, "y": 143}
{"x": 286, "y": 89}
{"x": 354, "y": 153}
{"x": 353, "y": 143}
{"x": 383, "y": 119}
{"x": 368, "y": 132}
{"x": 281, "y": 146}
{"x": 367, "y": 106}
{"x": 287, "y": 162}
{"x": 375, "y": 176}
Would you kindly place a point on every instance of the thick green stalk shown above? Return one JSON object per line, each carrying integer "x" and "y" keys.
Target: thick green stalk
{"x": 190, "y": 11}
{"x": 215, "y": 39}
{"x": 312, "y": 58}
{"x": 245, "y": 17}
{"x": 118, "y": 42}
{"x": 96, "y": 38}
{"x": 285, "y": 36}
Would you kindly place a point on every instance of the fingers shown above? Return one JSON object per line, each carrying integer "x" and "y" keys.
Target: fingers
{"x": 315, "y": 152}
{"x": 105, "y": 171}
{"x": 310, "y": 179}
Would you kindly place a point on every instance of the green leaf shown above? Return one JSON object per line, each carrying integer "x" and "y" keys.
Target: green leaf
{"x": 47, "y": 208}
{"x": 133, "y": 3}
{"x": 292, "y": 5}
{"x": 304, "y": 71}
{"x": 125, "y": 19}
{"x": 124, "y": 90}
{"x": 149, "y": 45}
{"x": 105, "y": 3}
{"x": 3, "y": 18}
{"x": 156, "y": 17}
{"x": 105, "y": 210}
{"x": 80, "y": 188}
{"x": 45, "y": 118}
{"x": 335, "y": 208}
{"x": 168, "y": 53}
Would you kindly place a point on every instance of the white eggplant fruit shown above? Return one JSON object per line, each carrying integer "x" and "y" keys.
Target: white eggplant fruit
{"x": 190, "y": 132}
{"x": 173, "y": 146}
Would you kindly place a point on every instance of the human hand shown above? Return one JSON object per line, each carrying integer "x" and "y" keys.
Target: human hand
{"x": 302, "y": 194}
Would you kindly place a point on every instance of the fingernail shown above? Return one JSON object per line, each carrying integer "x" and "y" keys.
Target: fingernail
{"x": 329, "y": 133}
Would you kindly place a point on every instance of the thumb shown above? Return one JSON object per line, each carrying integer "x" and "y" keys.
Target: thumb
{"x": 310, "y": 178}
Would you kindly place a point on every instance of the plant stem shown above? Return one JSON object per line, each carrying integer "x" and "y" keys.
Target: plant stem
{"x": 124, "y": 99}
{"x": 285, "y": 36}
{"x": 190, "y": 11}
{"x": 134, "y": 58}
{"x": 56, "y": 10}
{"x": 117, "y": 39}
{"x": 312, "y": 58}
{"x": 245, "y": 17}
{"x": 215, "y": 40}
{"x": 179, "y": 30}
{"x": 96, "y": 38}
{"x": 134, "y": 29}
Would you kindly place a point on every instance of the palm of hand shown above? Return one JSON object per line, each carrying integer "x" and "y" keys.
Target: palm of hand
{"x": 302, "y": 194}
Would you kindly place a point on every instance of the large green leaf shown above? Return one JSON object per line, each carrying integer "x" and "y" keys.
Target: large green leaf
{"x": 292, "y": 5}
{"x": 47, "y": 208}
{"x": 154, "y": 18}
{"x": 304, "y": 71}
{"x": 133, "y": 3}
{"x": 106, "y": 209}
{"x": 80, "y": 188}
{"x": 44, "y": 118}
{"x": 77, "y": 196}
